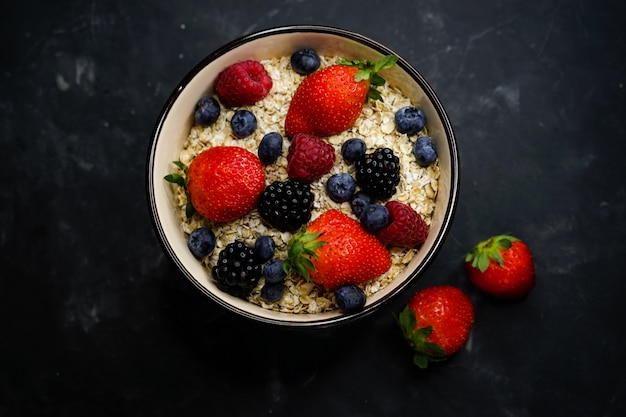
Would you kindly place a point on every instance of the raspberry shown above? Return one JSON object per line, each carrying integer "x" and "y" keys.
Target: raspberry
{"x": 406, "y": 228}
{"x": 309, "y": 158}
{"x": 243, "y": 84}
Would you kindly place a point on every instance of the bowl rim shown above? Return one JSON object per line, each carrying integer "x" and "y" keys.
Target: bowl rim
{"x": 318, "y": 29}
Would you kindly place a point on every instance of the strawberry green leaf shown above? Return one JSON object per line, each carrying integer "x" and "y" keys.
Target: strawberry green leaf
{"x": 308, "y": 237}
{"x": 189, "y": 210}
{"x": 181, "y": 181}
{"x": 374, "y": 95}
{"x": 504, "y": 243}
{"x": 362, "y": 75}
{"x": 490, "y": 250}
{"x": 406, "y": 321}
{"x": 482, "y": 262}
{"x": 368, "y": 71}
{"x": 420, "y": 360}
{"x": 296, "y": 249}
{"x": 425, "y": 351}
{"x": 175, "y": 179}
{"x": 377, "y": 80}
{"x": 385, "y": 62}
{"x": 346, "y": 61}
{"x": 302, "y": 248}
{"x": 181, "y": 166}
{"x": 434, "y": 351}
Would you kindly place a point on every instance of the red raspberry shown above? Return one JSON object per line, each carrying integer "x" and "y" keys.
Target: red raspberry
{"x": 406, "y": 227}
{"x": 309, "y": 157}
{"x": 243, "y": 84}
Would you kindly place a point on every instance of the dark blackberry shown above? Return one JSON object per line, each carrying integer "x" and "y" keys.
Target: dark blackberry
{"x": 378, "y": 173}
{"x": 238, "y": 270}
{"x": 286, "y": 205}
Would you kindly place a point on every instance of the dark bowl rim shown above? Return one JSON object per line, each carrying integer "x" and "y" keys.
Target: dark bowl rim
{"x": 321, "y": 29}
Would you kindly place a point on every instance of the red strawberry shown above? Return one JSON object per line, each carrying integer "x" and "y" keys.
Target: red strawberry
{"x": 436, "y": 322}
{"x": 309, "y": 158}
{"x": 334, "y": 251}
{"x": 501, "y": 266}
{"x": 329, "y": 101}
{"x": 224, "y": 182}
{"x": 406, "y": 228}
{"x": 243, "y": 83}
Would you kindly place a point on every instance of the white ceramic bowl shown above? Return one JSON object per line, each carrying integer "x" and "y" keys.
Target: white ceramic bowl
{"x": 176, "y": 119}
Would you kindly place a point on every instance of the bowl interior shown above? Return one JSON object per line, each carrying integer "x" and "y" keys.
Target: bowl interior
{"x": 176, "y": 120}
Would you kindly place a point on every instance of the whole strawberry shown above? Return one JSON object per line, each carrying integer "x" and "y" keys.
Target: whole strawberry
{"x": 501, "y": 266}
{"x": 406, "y": 227}
{"x": 309, "y": 157}
{"x": 436, "y": 322}
{"x": 243, "y": 83}
{"x": 329, "y": 101}
{"x": 224, "y": 182}
{"x": 334, "y": 251}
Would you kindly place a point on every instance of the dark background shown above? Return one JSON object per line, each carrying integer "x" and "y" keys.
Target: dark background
{"x": 96, "y": 321}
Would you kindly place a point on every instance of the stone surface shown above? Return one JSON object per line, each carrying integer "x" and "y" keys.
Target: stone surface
{"x": 97, "y": 321}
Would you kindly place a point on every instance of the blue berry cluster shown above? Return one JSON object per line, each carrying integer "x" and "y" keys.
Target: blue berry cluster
{"x": 411, "y": 120}
{"x": 273, "y": 271}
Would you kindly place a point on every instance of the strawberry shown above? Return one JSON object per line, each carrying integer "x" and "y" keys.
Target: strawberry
{"x": 501, "y": 266}
{"x": 406, "y": 227}
{"x": 436, "y": 322}
{"x": 334, "y": 251}
{"x": 329, "y": 101}
{"x": 243, "y": 83}
{"x": 309, "y": 157}
{"x": 224, "y": 182}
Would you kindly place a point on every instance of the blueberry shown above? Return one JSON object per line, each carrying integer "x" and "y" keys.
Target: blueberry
{"x": 359, "y": 201}
{"x": 272, "y": 292}
{"x": 207, "y": 111}
{"x": 340, "y": 187}
{"x": 409, "y": 120}
{"x": 243, "y": 123}
{"x": 374, "y": 217}
{"x": 264, "y": 248}
{"x": 305, "y": 61}
{"x": 350, "y": 298}
{"x": 352, "y": 150}
{"x": 270, "y": 148}
{"x": 273, "y": 271}
{"x": 201, "y": 242}
{"x": 424, "y": 151}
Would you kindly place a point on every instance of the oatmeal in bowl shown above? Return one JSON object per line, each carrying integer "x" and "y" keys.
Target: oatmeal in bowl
{"x": 314, "y": 193}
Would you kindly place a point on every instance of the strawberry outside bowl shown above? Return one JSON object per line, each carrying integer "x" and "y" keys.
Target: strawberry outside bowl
{"x": 176, "y": 119}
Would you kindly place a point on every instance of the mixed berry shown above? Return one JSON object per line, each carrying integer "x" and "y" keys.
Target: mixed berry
{"x": 336, "y": 251}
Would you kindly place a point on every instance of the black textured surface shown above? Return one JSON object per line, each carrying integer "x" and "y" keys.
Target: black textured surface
{"x": 96, "y": 321}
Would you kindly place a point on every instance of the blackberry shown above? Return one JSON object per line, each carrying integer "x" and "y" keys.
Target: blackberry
{"x": 286, "y": 205}
{"x": 378, "y": 173}
{"x": 238, "y": 270}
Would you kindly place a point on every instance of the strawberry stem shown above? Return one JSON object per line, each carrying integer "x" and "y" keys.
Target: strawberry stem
{"x": 302, "y": 248}
{"x": 368, "y": 71}
{"x": 181, "y": 181}
{"x": 489, "y": 250}
{"x": 424, "y": 351}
